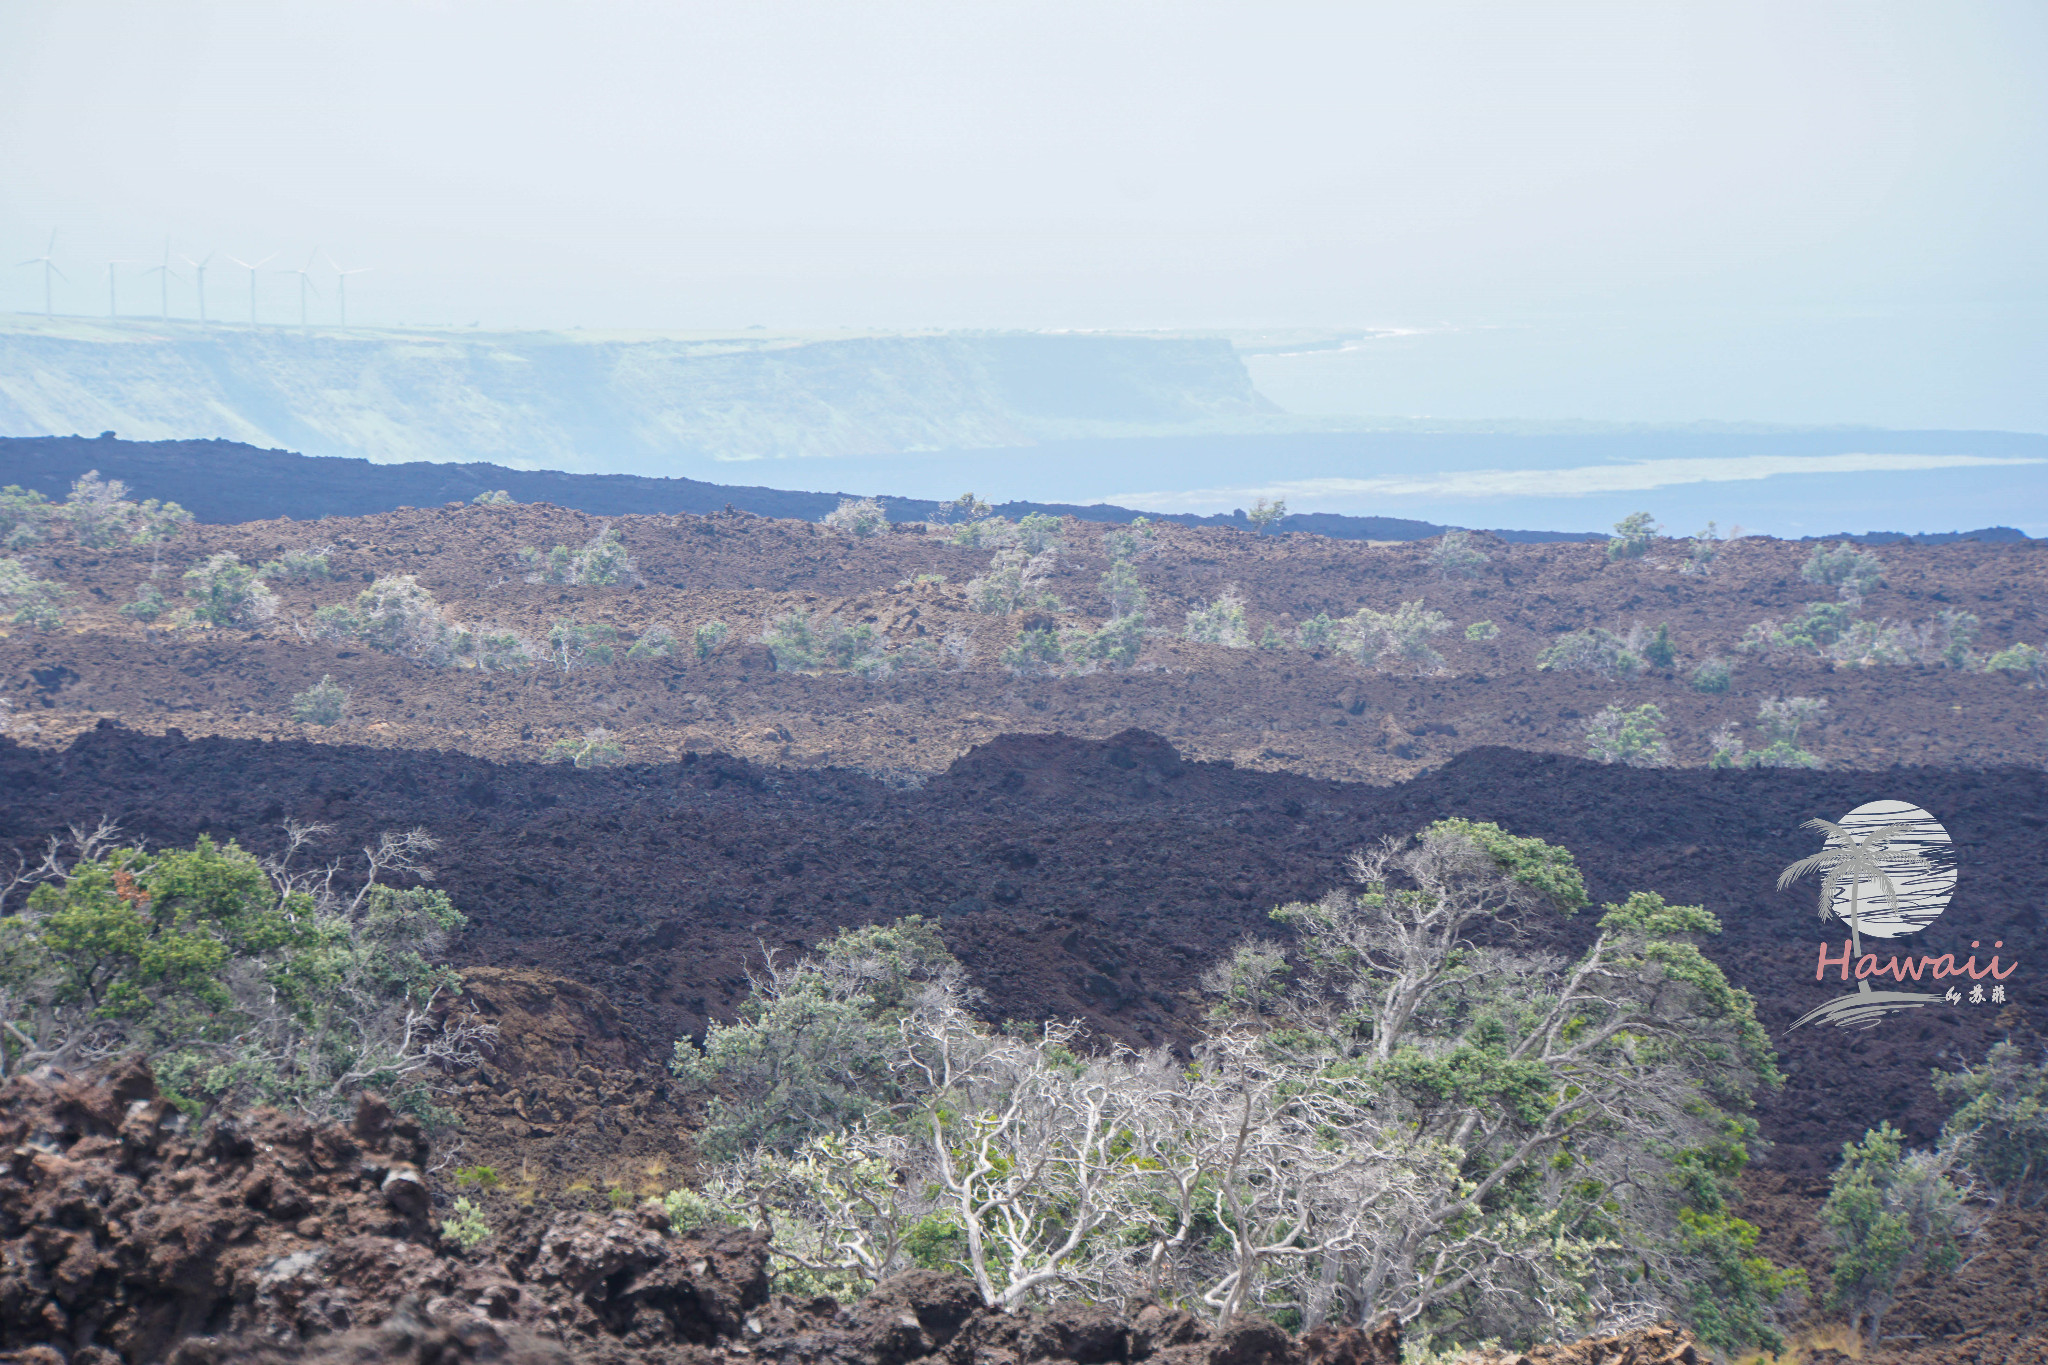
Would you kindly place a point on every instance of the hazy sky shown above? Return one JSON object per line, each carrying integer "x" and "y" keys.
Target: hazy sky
{"x": 1782, "y": 211}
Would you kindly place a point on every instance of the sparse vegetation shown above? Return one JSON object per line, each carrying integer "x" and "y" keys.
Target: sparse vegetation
{"x": 37, "y": 603}
{"x": 1036, "y": 650}
{"x": 2022, "y": 660}
{"x": 98, "y": 513}
{"x": 582, "y": 644}
{"x": 227, "y": 592}
{"x": 1015, "y": 582}
{"x": 149, "y": 605}
{"x": 398, "y": 616}
{"x": 1481, "y": 631}
{"x": 1712, "y": 675}
{"x": 1848, "y": 569}
{"x": 803, "y": 645}
{"x": 656, "y": 642}
{"x": 1384, "y": 639}
{"x": 1264, "y": 515}
{"x": 857, "y": 517}
{"x": 1592, "y": 650}
{"x": 324, "y": 703}
{"x": 1633, "y": 737}
{"x": 1634, "y": 534}
{"x": 594, "y": 748}
{"x": 1316, "y": 634}
{"x": 1135, "y": 541}
{"x": 1999, "y": 1130}
{"x": 1455, "y": 556}
{"x": 465, "y": 1224}
{"x": 24, "y": 517}
{"x": 1220, "y": 622}
{"x": 706, "y": 638}
{"x": 300, "y": 566}
{"x": 1659, "y": 651}
{"x": 601, "y": 562}
{"x": 1889, "y": 1212}
{"x": 240, "y": 980}
{"x": 965, "y": 508}
{"x": 1125, "y": 594}
{"x": 496, "y": 497}
{"x": 1706, "y": 548}
{"x": 1038, "y": 532}
{"x": 1780, "y": 720}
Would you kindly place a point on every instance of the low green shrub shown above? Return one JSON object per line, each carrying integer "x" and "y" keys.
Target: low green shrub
{"x": 324, "y": 703}
{"x": 1220, "y": 622}
{"x": 1852, "y": 571}
{"x": 602, "y": 561}
{"x": 594, "y": 748}
{"x": 1633, "y": 737}
{"x": 149, "y": 605}
{"x": 1480, "y": 631}
{"x": 37, "y": 603}
{"x": 1592, "y": 650}
{"x": 706, "y": 638}
{"x": 300, "y": 566}
{"x": 1634, "y": 534}
{"x": 1712, "y": 675}
{"x": 227, "y": 592}
{"x": 465, "y": 1224}
{"x": 857, "y": 517}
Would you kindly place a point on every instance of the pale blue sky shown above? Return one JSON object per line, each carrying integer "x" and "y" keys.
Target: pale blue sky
{"x": 1627, "y": 211}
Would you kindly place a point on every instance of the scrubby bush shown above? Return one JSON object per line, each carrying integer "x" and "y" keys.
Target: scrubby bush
{"x": 986, "y": 533}
{"x": 25, "y": 517}
{"x": 1889, "y": 1212}
{"x": 398, "y": 616}
{"x": 1851, "y": 571}
{"x": 1135, "y": 541}
{"x": 1117, "y": 642}
{"x": 2022, "y": 660}
{"x": 300, "y": 566}
{"x": 37, "y": 603}
{"x": 2000, "y": 1127}
{"x": 496, "y": 497}
{"x": 1367, "y": 1107}
{"x": 149, "y": 605}
{"x": 656, "y": 642}
{"x": 965, "y": 508}
{"x": 601, "y": 562}
{"x": 239, "y": 981}
{"x": 1038, "y": 532}
{"x": 858, "y": 517}
{"x": 498, "y": 651}
{"x": 1035, "y": 651}
{"x": 1270, "y": 638}
{"x": 97, "y": 512}
{"x": 580, "y": 644}
{"x": 1592, "y": 650}
{"x": 1712, "y": 675}
{"x": 1264, "y": 515}
{"x": 1384, "y": 639}
{"x": 1725, "y": 748}
{"x": 1481, "y": 631}
{"x": 594, "y": 748}
{"x": 1120, "y": 585}
{"x": 1780, "y": 720}
{"x": 1659, "y": 651}
{"x": 465, "y": 1224}
{"x": 1014, "y": 582}
{"x": 1706, "y": 548}
{"x": 1634, "y": 737}
{"x": 803, "y": 645}
{"x": 706, "y": 638}
{"x": 1634, "y": 534}
{"x": 1220, "y": 622}
{"x": 1455, "y": 556}
{"x": 1817, "y": 628}
{"x": 324, "y": 703}
{"x": 227, "y": 592}
{"x": 1317, "y": 634}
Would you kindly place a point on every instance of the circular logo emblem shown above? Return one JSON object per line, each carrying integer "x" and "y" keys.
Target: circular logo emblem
{"x": 1908, "y": 871}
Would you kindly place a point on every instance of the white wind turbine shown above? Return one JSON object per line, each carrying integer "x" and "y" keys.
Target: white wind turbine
{"x": 252, "y": 269}
{"x": 199, "y": 281}
{"x": 304, "y": 273}
{"x": 165, "y": 274}
{"x": 341, "y": 285}
{"x": 112, "y": 312}
{"x": 49, "y": 265}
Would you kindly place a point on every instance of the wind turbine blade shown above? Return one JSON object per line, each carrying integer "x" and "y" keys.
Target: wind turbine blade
{"x": 33, "y": 260}
{"x": 267, "y": 259}
{"x": 59, "y": 273}
{"x": 332, "y": 265}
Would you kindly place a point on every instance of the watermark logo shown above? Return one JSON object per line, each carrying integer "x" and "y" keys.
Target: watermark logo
{"x": 1886, "y": 871}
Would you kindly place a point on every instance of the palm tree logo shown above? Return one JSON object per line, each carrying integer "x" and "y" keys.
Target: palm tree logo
{"x": 1850, "y": 859}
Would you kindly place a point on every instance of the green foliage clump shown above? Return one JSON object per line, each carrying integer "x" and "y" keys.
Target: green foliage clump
{"x": 1015, "y": 582}
{"x": 1120, "y": 586}
{"x": 324, "y": 703}
{"x": 801, "y": 644}
{"x": 1634, "y": 738}
{"x": 1220, "y": 622}
{"x": 1455, "y": 556}
{"x": 398, "y": 616}
{"x": 1036, "y": 650}
{"x": 1659, "y": 652}
{"x": 1135, "y": 541}
{"x": 149, "y": 605}
{"x": 24, "y": 517}
{"x": 2000, "y": 1128}
{"x": 1481, "y": 631}
{"x": 601, "y": 562}
{"x": 576, "y": 644}
{"x": 2022, "y": 660}
{"x": 1634, "y": 534}
{"x": 1712, "y": 675}
{"x": 494, "y": 497}
{"x": 1264, "y": 515}
{"x": 1117, "y": 642}
{"x": 1591, "y": 650}
{"x": 97, "y": 511}
{"x": 1038, "y": 532}
{"x": 465, "y": 1224}
{"x": 300, "y": 566}
{"x": 656, "y": 642}
{"x": 1813, "y": 632}
{"x": 1317, "y": 634}
{"x": 227, "y": 592}
{"x": 1853, "y": 572}
{"x": 1382, "y": 639}
{"x": 810, "y": 1051}
{"x": 1706, "y": 548}
{"x": 477, "y": 1177}
{"x": 238, "y": 980}
{"x": 594, "y": 748}
{"x": 706, "y": 638}
{"x": 858, "y": 517}
{"x": 37, "y": 603}
{"x": 1889, "y": 1212}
